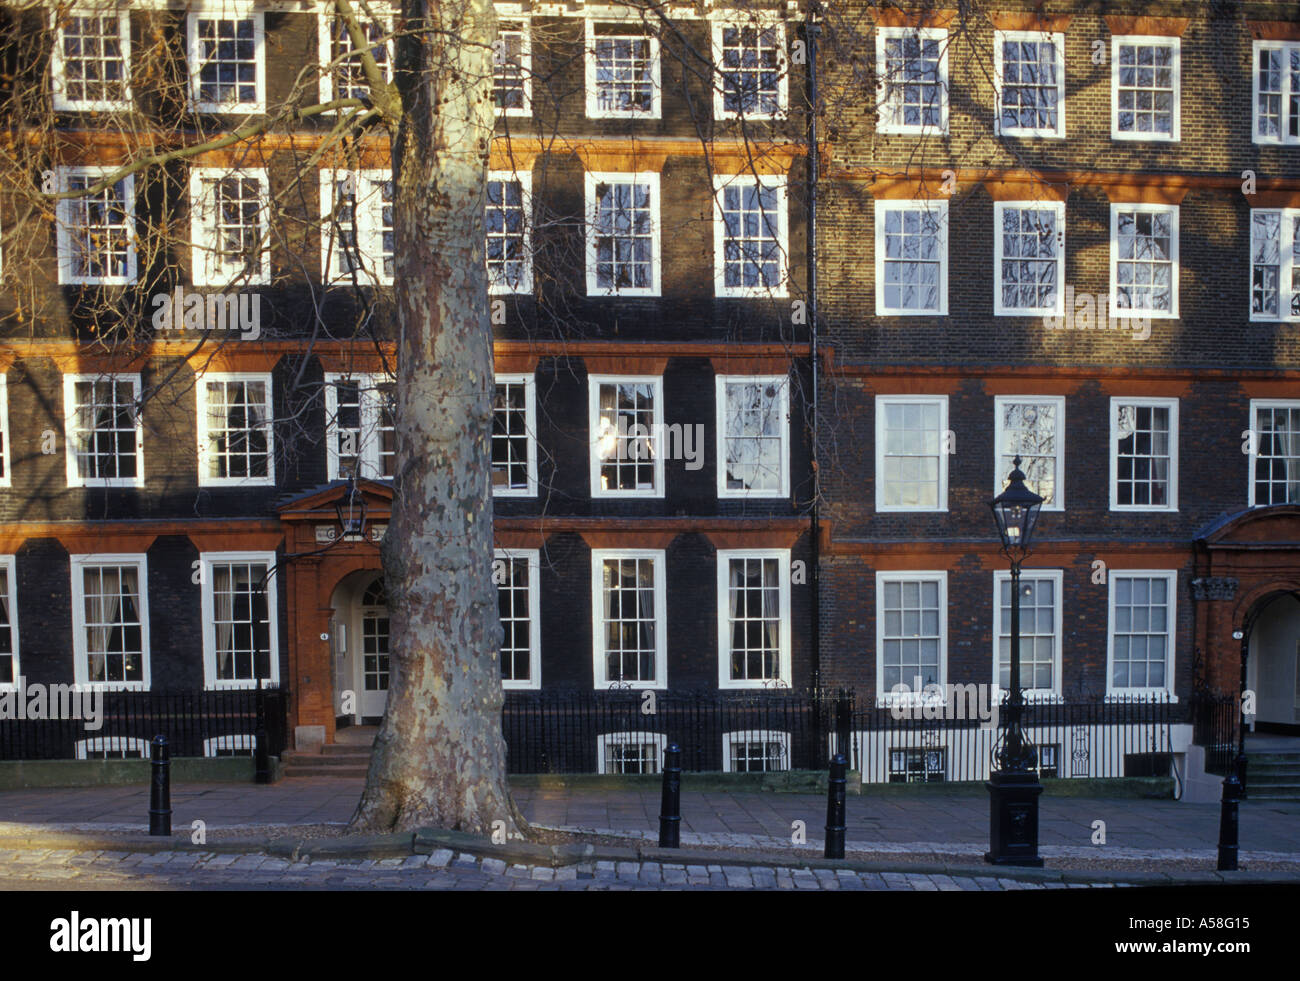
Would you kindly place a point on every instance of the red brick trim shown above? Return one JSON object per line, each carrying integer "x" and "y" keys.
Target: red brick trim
{"x": 1273, "y": 30}
{"x": 1080, "y": 178}
{"x": 1156, "y": 26}
{"x": 894, "y": 17}
{"x": 1027, "y": 190}
{"x": 924, "y": 188}
{"x": 130, "y": 536}
{"x": 1028, "y": 20}
{"x": 1274, "y": 199}
{"x": 1146, "y": 194}
{"x": 1034, "y": 374}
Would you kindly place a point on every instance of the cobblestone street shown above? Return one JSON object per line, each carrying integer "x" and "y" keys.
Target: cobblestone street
{"x": 445, "y": 870}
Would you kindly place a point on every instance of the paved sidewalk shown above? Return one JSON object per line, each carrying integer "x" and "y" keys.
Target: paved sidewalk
{"x": 887, "y": 824}
{"x": 448, "y": 870}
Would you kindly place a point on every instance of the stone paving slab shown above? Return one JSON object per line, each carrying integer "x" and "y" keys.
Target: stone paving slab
{"x": 465, "y": 872}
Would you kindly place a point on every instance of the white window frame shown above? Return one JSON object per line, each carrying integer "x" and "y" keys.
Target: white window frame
{"x": 657, "y": 436}
{"x": 886, "y": 112}
{"x": 1120, "y": 40}
{"x": 1055, "y": 576}
{"x": 1286, "y": 244}
{"x": 238, "y": 741}
{"x": 368, "y": 450}
{"x": 325, "y": 38}
{"x": 368, "y": 215}
{"x": 658, "y": 739}
{"x": 226, "y": 10}
{"x": 201, "y": 397}
{"x": 883, "y": 696}
{"x": 6, "y": 479}
{"x": 9, "y": 565}
{"x": 525, "y": 285}
{"x": 999, "y": 209}
{"x": 721, "y": 382}
{"x": 69, "y": 419}
{"x": 204, "y": 267}
{"x": 1116, "y": 311}
{"x": 598, "y": 556}
{"x": 80, "y": 652}
{"x": 731, "y": 738}
{"x": 513, "y": 18}
{"x": 1000, "y": 472}
{"x": 1056, "y": 39}
{"x": 57, "y": 66}
{"x": 1255, "y": 406}
{"x": 882, "y": 207}
{"x": 533, "y": 557}
{"x": 784, "y": 676}
{"x": 760, "y": 21}
{"x": 775, "y": 183}
{"x": 530, "y": 421}
{"x": 1287, "y": 93}
{"x": 881, "y": 430}
{"x": 65, "y": 228}
{"x": 591, "y": 180}
{"x": 104, "y": 744}
{"x": 209, "y": 559}
{"x": 1141, "y": 402}
{"x": 1166, "y": 690}
{"x": 656, "y": 77}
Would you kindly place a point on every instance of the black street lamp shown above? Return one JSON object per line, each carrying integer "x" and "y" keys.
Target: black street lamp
{"x": 1013, "y": 786}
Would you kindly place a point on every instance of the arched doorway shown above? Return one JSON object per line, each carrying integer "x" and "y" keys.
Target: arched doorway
{"x": 359, "y": 649}
{"x": 1273, "y": 665}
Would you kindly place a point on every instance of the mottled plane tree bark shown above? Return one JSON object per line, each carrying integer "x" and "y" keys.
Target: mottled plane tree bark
{"x": 439, "y": 758}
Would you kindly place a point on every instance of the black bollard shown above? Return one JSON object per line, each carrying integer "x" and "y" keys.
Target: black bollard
{"x": 670, "y": 810}
{"x": 835, "y": 807}
{"x": 1228, "y": 825}
{"x": 160, "y": 789}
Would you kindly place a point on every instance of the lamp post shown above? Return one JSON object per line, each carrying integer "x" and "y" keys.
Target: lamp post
{"x": 1013, "y": 786}
{"x": 351, "y": 510}
{"x": 1234, "y": 784}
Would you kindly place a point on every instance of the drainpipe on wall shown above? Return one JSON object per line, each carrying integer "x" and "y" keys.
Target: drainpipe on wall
{"x": 812, "y": 31}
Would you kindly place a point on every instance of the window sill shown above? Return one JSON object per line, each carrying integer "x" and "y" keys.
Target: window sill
{"x": 1143, "y": 137}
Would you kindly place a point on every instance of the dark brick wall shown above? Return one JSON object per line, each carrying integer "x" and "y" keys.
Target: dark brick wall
{"x": 44, "y": 591}
{"x": 692, "y": 614}
{"x": 1212, "y": 357}
{"x": 849, "y": 622}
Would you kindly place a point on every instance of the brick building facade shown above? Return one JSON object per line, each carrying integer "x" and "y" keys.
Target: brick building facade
{"x": 1093, "y": 177}
{"x": 982, "y": 178}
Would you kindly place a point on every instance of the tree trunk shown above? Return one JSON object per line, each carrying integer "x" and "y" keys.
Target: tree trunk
{"x": 439, "y": 758}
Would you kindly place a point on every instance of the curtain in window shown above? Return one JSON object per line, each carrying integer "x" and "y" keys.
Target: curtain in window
{"x": 1288, "y": 436}
{"x": 223, "y": 610}
{"x": 646, "y": 594}
{"x": 771, "y": 616}
{"x": 735, "y": 600}
{"x": 128, "y": 627}
{"x": 608, "y": 423}
{"x": 101, "y": 602}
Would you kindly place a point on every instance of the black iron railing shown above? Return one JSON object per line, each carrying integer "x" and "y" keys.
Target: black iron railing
{"x": 784, "y": 729}
{"x": 1114, "y": 736}
{"x": 196, "y": 723}
{"x": 622, "y": 731}
{"x": 1215, "y": 718}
